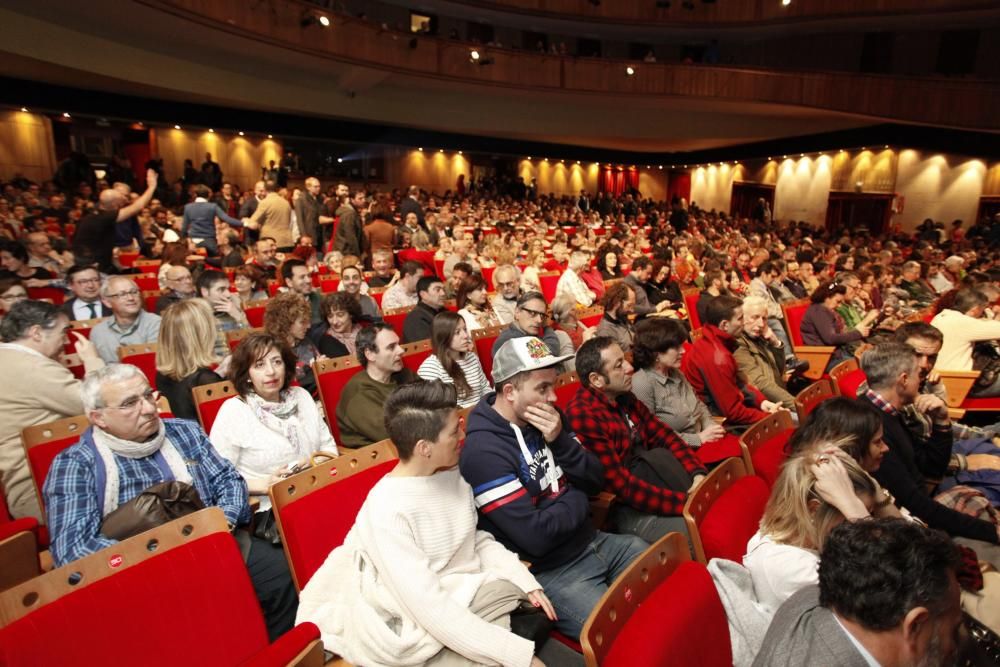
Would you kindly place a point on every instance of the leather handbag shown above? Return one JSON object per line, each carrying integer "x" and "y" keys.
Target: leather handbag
{"x": 153, "y": 507}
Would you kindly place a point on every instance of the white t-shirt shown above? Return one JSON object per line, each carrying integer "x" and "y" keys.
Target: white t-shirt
{"x": 779, "y": 570}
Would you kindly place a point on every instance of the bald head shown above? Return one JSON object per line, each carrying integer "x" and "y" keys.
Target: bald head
{"x": 111, "y": 200}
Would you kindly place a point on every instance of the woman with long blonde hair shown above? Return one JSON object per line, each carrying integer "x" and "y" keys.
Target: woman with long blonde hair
{"x": 185, "y": 354}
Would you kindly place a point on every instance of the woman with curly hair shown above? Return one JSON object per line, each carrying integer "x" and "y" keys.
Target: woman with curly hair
{"x": 250, "y": 283}
{"x": 334, "y": 337}
{"x": 287, "y": 319}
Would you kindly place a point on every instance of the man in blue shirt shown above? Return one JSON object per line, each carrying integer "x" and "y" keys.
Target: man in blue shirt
{"x": 130, "y": 449}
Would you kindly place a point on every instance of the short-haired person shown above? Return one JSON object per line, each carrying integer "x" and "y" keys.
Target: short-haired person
{"x": 85, "y": 284}
{"x": 12, "y": 291}
{"x": 403, "y": 294}
{"x": 335, "y": 337}
{"x": 199, "y": 220}
{"x": 642, "y": 271}
{"x": 352, "y": 282}
{"x": 532, "y": 480}
{"x": 287, "y": 317}
{"x": 530, "y": 319}
{"x": 270, "y": 426}
{"x": 571, "y": 331}
{"x": 474, "y": 304}
{"x": 359, "y": 410}
{"x": 448, "y": 586}
{"x": 507, "y": 283}
{"x": 419, "y": 322}
{"x": 570, "y": 283}
{"x": 659, "y": 383}
{"x": 179, "y": 286}
{"x": 454, "y": 359}
{"x": 461, "y": 272}
{"x": 715, "y": 285}
{"x": 227, "y": 309}
{"x": 186, "y": 354}
{"x": 39, "y": 390}
{"x": 762, "y": 287}
{"x": 129, "y": 324}
{"x": 131, "y": 449}
{"x": 619, "y": 304}
{"x": 893, "y": 375}
{"x": 94, "y": 240}
{"x": 609, "y": 421}
{"x": 711, "y": 367}
{"x": 916, "y": 288}
{"x": 760, "y": 354}
{"x": 887, "y": 595}
{"x": 962, "y": 326}
{"x": 298, "y": 279}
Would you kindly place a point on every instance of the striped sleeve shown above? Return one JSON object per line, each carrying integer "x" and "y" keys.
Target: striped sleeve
{"x": 497, "y": 493}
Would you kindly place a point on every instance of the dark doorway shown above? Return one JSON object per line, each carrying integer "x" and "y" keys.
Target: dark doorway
{"x": 989, "y": 206}
{"x": 745, "y": 198}
{"x": 855, "y": 210}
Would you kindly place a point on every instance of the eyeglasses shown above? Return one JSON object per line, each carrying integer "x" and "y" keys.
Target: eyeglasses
{"x": 534, "y": 313}
{"x": 125, "y": 294}
{"x": 131, "y": 404}
{"x": 87, "y": 281}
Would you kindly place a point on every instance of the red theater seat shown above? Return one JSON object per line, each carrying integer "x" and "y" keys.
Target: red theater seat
{"x": 484, "y": 339}
{"x": 807, "y": 399}
{"x": 395, "y": 317}
{"x": 331, "y": 377}
{"x": 818, "y": 356}
{"x": 566, "y": 387}
{"x": 414, "y": 353}
{"x": 208, "y": 400}
{"x": 763, "y": 445}
{"x": 42, "y": 443}
{"x": 63, "y": 617}
{"x": 143, "y": 357}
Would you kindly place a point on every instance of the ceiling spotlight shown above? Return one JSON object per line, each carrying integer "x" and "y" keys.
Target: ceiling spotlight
{"x": 784, "y": 157}
{"x": 270, "y": 136}
{"x": 24, "y": 109}
{"x": 177, "y": 127}
{"x": 785, "y": 3}
{"x": 324, "y": 21}
{"x": 661, "y": 167}
{"x": 66, "y": 114}
{"x": 459, "y": 152}
{"x": 578, "y": 162}
{"x": 211, "y": 130}
{"x": 629, "y": 70}
{"x": 309, "y": 19}
{"x": 529, "y": 157}
{"x": 440, "y": 150}
{"x": 864, "y": 148}
{"x": 802, "y": 154}
{"x": 241, "y": 133}
{"x": 886, "y": 146}
{"x": 842, "y": 150}
{"x": 340, "y": 160}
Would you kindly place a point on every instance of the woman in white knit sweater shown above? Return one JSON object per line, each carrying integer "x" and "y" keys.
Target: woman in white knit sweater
{"x": 269, "y": 428}
{"x": 415, "y": 583}
{"x": 454, "y": 359}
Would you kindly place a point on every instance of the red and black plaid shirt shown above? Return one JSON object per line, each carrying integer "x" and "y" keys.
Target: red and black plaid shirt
{"x": 603, "y": 428}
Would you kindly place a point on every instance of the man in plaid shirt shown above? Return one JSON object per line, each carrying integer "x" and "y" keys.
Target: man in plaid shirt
{"x": 612, "y": 423}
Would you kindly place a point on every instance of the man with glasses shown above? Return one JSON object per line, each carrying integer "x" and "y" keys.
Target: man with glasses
{"x": 847, "y": 310}
{"x": 530, "y": 319}
{"x": 180, "y": 286}
{"x": 128, "y": 449}
{"x": 85, "y": 283}
{"x": 39, "y": 390}
{"x": 129, "y": 323}
{"x": 507, "y": 283}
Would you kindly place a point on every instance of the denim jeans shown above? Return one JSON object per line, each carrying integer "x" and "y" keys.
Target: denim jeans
{"x": 779, "y": 330}
{"x": 650, "y": 527}
{"x": 576, "y": 587}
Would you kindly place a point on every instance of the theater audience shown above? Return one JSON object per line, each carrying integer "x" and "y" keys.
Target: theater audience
{"x": 607, "y": 263}
{"x": 286, "y": 318}
{"x": 571, "y": 285}
{"x": 715, "y": 285}
{"x": 453, "y": 359}
{"x": 963, "y": 325}
{"x": 887, "y": 594}
{"x": 297, "y": 279}
{"x": 638, "y": 279}
{"x": 762, "y": 287}
{"x": 474, "y": 305}
{"x": 530, "y": 317}
{"x": 14, "y": 260}
{"x": 760, "y": 354}
{"x": 619, "y": 304}
{"x": 186, "y": 354}
{"x": 85, "y": 284}
{"x": 359, "y": 410}
{"x": 419, "y": 322}
{"x": 270, "y": 428}
{"x": 227, "y": 310}
{"x": 352, "y": 282}
{"x": 403, "y": 294}
{"x": 335, "y": 336}
{"x": 199, "y": 220}
{"x": 129, "y": 448}
{"x": 531, "y": 480}
{"x": 94, "y": 239}
{"x": 648, "y": 468}
{"x": 712, "y": 370}
{"x": 129, "y": 323}
{"x": 179, "y": 286}
{"x": 39, "y": 390}
{"x": 425, "y": 563}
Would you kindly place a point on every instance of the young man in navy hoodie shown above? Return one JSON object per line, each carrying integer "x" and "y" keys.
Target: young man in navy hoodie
{"x": 532, "y": 480}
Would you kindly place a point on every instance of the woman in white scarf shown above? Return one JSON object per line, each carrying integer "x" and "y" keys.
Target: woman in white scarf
{"x": 269, "y": 429}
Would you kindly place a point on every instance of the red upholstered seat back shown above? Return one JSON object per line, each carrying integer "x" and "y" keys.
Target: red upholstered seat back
{"x": 415, "y": 353}
{"x": 682, "y": 623}
{"x": 566, "y": 387}
{"x": 395, "y": 320}
{"x": 146, "y": 282}
{"x": 40, "y": 457}
{"x": 317, "y": 523}
{"x": 191, "y": 605}
{"x": 767, "y": 459}
{"x": 849, "y": 383}
{"x": 145, "y": 362}
{"x": 208, "y": 400}
{"x": 549, "y": 282}
{"x": 328, "y": 284}
{"x": 793, "y": 317}
{"x": 53, "y": 294}
{"x": 331, "y": 384}
{"x": 691, "y": 305}
{"x": 484, "y": 348}
{"x": 734, "y": 518}
{"x": 255, "y": 315}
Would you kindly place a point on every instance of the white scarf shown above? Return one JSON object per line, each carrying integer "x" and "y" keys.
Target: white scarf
{"x": 109, "y": 445}
{"x": 279, "y": 417}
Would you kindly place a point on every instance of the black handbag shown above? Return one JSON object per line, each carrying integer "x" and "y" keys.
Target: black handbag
{"x": 265, "y": 527}
{"x": 530, "y": 622}
{"x": 155, "y": 506}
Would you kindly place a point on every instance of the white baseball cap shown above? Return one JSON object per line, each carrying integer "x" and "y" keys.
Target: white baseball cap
{"x": 525, "y": 353}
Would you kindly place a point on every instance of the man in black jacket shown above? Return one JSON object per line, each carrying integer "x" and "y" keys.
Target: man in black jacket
{"x": 894, "y": 383}
{"x": 418, "y": 323}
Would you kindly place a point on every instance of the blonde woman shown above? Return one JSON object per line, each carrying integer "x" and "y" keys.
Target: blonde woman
{"x": 185, "y": 354}
{"x": 816, "y": 491}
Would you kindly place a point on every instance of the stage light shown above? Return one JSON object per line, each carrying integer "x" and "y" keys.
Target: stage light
{"x": 270, "y": 136}
{"x": 211, "y": 130}
{"x": 785, "y": 3}
{"x": 629, "y": 70}
{"x": 474, "y": 54}
{"x": 66, "y": 114}
{"x": 324, "y": 21}
{"x": 177, "y": 127}
{"x": 241, "y": 133}
{"x": 24, "y": 109}
{"x": 421, "y": 150}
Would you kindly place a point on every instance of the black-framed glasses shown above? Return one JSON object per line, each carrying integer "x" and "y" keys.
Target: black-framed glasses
{"x": 535, "y": 313}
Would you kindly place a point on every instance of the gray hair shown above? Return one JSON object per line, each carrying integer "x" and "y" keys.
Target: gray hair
{"x": 754, "y": 301}
{"x": 93, "y": 383}
{"x": 562, "y": 307}
{"x": 106, "y": 285}
{"x": 884, "y": 363}
{"x": 25, "y": 314}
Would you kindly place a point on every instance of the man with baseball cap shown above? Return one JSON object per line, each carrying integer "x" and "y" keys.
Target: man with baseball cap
{"x": 532, "y": 479}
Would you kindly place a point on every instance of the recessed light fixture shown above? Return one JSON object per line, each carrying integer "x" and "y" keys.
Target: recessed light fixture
{"x": 324, "y": 21}
{"x": 459, "y": 152}
{"x": 270, "y": 136}
{"x": 211, "y": 130}
{"x": 24, "y": 109}
{"x": 474, "y": 54}
{"x": 339, "y": 160}
{"x": 241, "y": 133}
{"x": 177, "y": 127}
{"x": 785, "y": 3}
{"x": 629, "y": 70}
{"x": 66, "y": 114}
{"x": 420, "y": 149}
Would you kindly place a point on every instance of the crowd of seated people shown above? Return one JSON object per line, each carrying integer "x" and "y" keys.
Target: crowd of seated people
{"x": 350, "y": 275}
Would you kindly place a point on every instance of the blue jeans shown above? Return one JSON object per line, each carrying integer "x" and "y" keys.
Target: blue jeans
{"x": 576, "y": 587}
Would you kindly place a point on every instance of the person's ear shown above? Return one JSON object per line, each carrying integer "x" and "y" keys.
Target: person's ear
{"x": 96, "y": 418}
{"x": 422, "y": 449}
{"x": 596, "y": 380}
{"x": 914, "y": 625}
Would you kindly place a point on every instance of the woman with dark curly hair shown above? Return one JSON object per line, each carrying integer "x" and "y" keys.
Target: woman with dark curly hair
{"x": 335, "y": 335}
{"x": 287, "y": 319}
{"x": 250, "y": 283}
